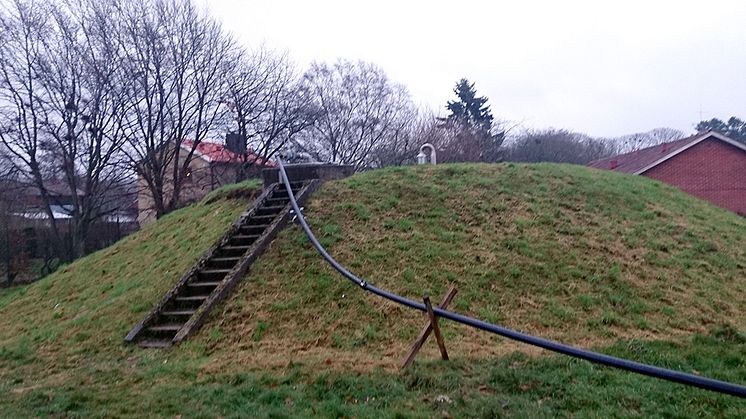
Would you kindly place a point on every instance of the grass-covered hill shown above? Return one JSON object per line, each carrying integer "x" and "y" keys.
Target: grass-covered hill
{"x": 618, "y": 263}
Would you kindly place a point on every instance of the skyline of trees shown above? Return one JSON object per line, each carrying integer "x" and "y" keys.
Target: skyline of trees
{"x": 358, "y": 110}
{"x": 96, "y": 93}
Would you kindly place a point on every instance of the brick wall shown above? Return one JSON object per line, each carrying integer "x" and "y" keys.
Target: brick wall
{"x": 711, "y": 170}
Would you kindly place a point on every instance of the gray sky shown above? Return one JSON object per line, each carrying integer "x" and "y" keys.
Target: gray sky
{"x": 590, "y": 66}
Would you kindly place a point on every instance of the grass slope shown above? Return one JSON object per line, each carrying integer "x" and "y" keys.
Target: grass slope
{"x": 88, "y": 306}
{"x": 618, "y": 263}
{"x": 577, "y": 255}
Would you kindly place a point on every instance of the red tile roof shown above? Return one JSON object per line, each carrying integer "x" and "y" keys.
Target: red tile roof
{"x": 214, "y": 152}
{"x": 639, "y": 161}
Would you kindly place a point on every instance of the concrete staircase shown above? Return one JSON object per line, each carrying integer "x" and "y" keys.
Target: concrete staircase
{"x": 183, "y": 309}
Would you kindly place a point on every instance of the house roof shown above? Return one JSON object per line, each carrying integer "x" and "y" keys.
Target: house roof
{"x": 640, "y": 161}
{"x": 219, "y": 153}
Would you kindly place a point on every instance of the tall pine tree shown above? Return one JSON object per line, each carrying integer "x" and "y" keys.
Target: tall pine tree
{"x": 469, "y": 111}
{"x": 471, "y": 126}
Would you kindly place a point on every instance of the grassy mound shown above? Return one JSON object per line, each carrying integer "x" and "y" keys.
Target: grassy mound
{"x": 577, "y": 255}
{"x": 88, "y": 306}
{"x": 618, "y": 263}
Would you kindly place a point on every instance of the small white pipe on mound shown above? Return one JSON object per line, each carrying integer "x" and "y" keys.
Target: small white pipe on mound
{"x": 422, "y": 157}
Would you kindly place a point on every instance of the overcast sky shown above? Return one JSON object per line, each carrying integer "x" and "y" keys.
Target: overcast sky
{"x": 593, "y": 67}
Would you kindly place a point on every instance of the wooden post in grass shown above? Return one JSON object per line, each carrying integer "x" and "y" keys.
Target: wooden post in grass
{"x": 432, "y": 325}
{"x": 436, "y": 328}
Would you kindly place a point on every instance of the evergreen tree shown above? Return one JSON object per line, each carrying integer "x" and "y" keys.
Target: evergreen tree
{"x": 735, "y": 128}
{"x": 471, "y": 126}
{"x": 469, "y": 111}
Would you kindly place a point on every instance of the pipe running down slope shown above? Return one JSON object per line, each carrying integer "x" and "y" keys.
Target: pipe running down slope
{"x": 599, "y": 358}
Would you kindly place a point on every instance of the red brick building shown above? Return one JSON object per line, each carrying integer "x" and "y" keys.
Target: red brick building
{"x": 708, "y": 165}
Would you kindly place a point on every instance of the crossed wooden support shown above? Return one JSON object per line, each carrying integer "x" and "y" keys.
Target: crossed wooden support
{"x": 431, "y": 326}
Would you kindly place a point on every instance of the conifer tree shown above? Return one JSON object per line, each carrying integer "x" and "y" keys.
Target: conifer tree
{"x": 471, "y": 127}
{"x": 469, "y": 111}
{"x": 734, "y": 128}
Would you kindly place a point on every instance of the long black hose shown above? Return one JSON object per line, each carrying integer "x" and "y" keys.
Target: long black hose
{"x": 645, "y": 369}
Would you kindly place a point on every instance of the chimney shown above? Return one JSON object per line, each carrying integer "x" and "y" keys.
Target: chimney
{"x": 235, "y": 143}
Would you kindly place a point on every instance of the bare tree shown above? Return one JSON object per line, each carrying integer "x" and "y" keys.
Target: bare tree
{"x": 269, "y": 105}
{"x": 9, "y": 248}
{"x": 82, "y": 81}
{"x": 359, "y": 110}
{"x": 24, "y": 110}
{"x": 560, "y": 145}
{"x": 556, "y": 145}
{"x": 61, "y": 84}
{"x": 413, "y": 128}
{"x": 632, "y": 142}
{"x": 175, "y": 58}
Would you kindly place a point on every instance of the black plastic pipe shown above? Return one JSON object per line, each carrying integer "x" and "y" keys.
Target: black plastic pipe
{"x": 611, "y": 361}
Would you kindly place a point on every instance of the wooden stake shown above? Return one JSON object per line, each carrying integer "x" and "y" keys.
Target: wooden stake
{"x": 425, "y": 332}
{"x": 436, "y": 328}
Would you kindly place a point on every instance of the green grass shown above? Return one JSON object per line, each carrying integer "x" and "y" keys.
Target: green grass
{"x": 245, "y": 189}
{"x": 167, "y": 385}
{"x": 577, "y": 255}
{"x": 81, "y": 312}
{"x": 623, "y": 264}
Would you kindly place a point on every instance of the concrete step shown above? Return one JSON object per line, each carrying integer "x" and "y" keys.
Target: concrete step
{"x": 261, "y": 219}
{"x": 231, "y": 247}
{"x": 293, "y": 186}
{"x": 232, "y": 259}
{"x": 232, "y": 250}
{"x": 270, "y": 210}
{"x": 245, "y": 236}
{"x": 191, "y": 299}
{"x": 166, "y": 327}
{"x": 253, "y": 228}
{"x": 177, "y": 312}
{"x": 212, "y": 273}
{"x": 223, "y": 262}
{"x": 278, "y": 201}
{"x": 160, "y": 344}
{"x": 204, "y": 284}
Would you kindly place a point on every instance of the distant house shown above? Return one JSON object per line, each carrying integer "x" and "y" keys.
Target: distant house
{"x": 32, "y": 205}
{"x": 212, "y": 166}
{"x": 25, "y": 216}
{"x": 707, "y": 165}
